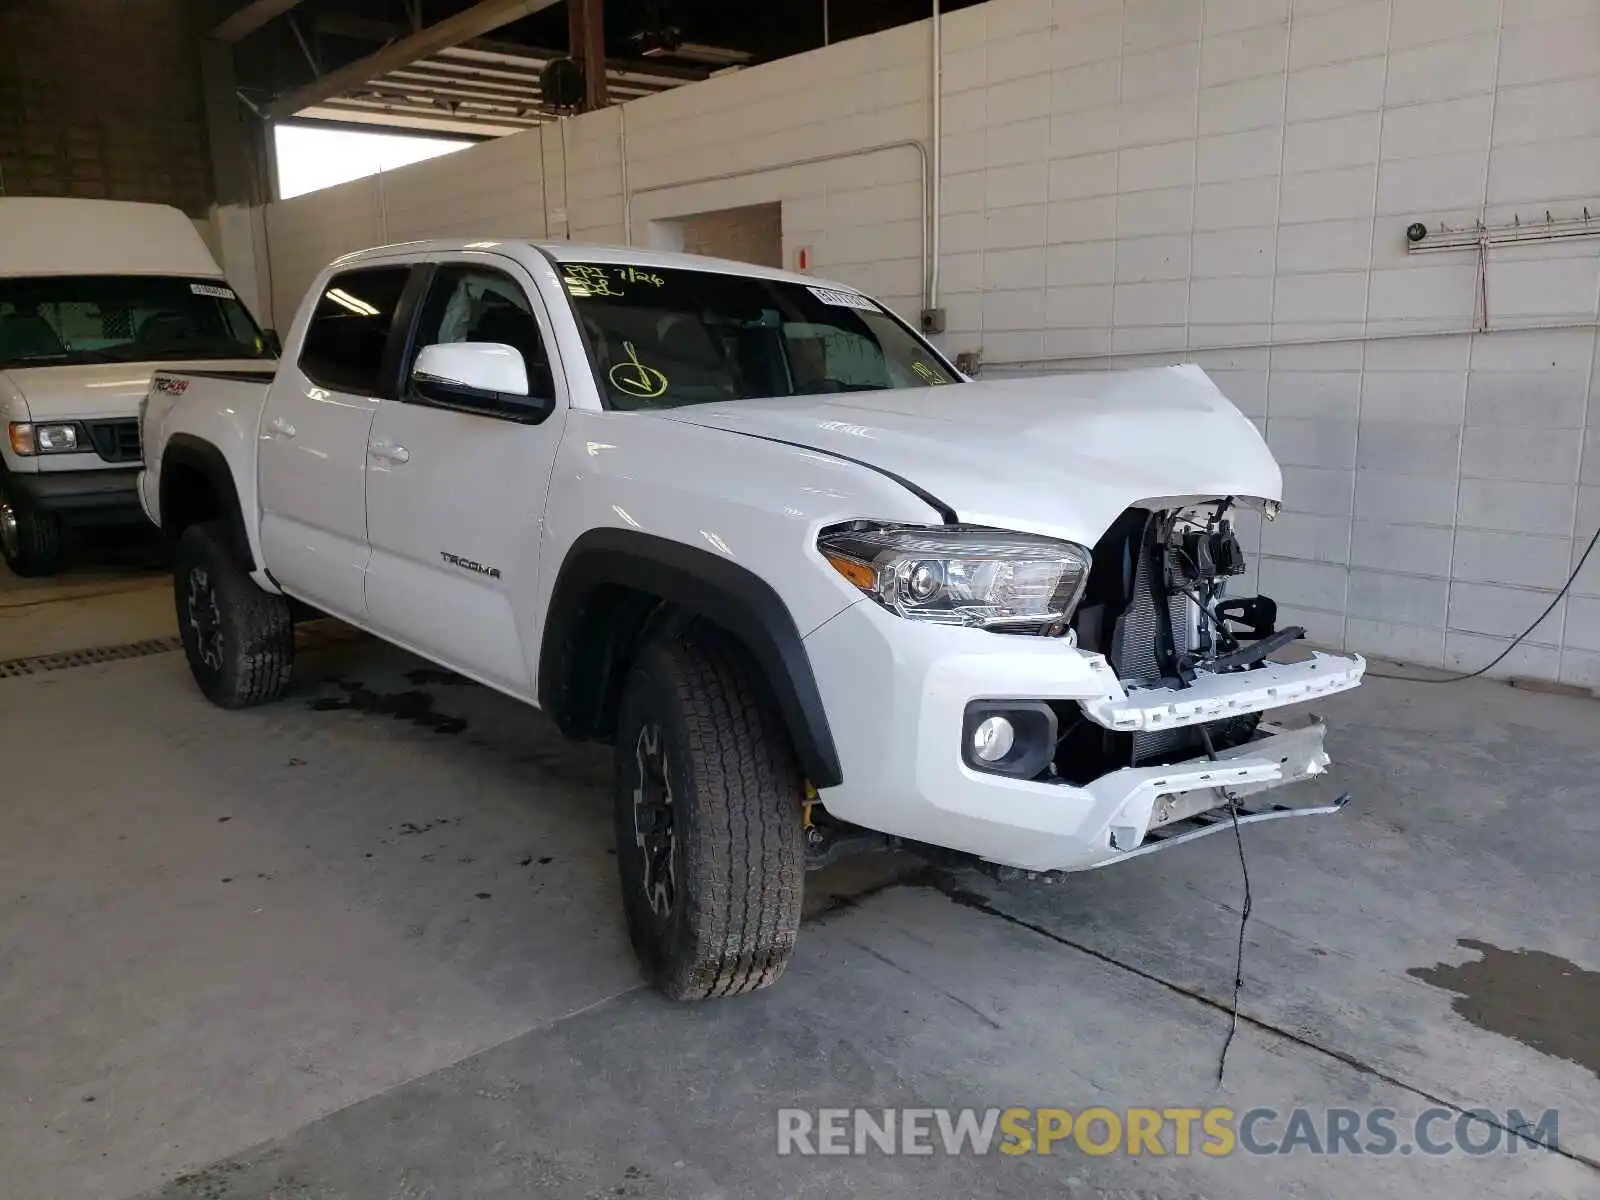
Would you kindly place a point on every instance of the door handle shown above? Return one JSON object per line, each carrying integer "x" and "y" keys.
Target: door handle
{"x": 389, "y": 452}
{"x": 279, "y": 426}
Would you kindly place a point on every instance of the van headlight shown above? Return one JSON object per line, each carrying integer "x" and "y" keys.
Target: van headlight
{"x": 28, "y": 439}
{"x": 961, "y": 574}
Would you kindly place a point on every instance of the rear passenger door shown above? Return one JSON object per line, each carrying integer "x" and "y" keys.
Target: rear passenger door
{"x": 456, "y": 496}
{"x": 313, "y": 444}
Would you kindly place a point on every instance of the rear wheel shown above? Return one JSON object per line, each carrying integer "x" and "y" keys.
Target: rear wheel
{"x": 30, "y": 541}
{"x": 710, "y": 839}
{"x": 239, "y": 639}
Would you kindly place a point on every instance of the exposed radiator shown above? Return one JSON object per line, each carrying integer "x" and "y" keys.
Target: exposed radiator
{"x": 1135, "y": 640}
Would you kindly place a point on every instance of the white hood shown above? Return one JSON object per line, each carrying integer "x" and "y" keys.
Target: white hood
{"x": 1062, "y": 456}
{"x": 90, "y": 391}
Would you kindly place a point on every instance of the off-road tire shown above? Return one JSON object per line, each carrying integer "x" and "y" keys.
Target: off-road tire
{"x": 251, "y": 657}
{"x": 736, "y": 810}
{"x": 34, "y": 546}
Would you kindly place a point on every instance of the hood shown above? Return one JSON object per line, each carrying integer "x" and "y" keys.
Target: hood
{"x": 98, "y": 390}
{"x": 1062, "y": 456}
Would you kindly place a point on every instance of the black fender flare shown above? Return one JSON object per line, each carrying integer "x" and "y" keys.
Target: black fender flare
{"x": 186, "y": 450}
{"x": 697, "y": 583}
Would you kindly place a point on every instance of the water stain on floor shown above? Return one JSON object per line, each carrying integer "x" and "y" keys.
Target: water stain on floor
{"x": 1538, "y": 999}
{"x": 416, "y": 707}
{"x": 423, "y": 676}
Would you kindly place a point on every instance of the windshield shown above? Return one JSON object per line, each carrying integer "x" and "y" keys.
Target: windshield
{"x": 68, "y": 319}
{"x": 661, "y": 338}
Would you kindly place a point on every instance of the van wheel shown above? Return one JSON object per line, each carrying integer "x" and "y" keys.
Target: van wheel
{"x": 30, "y": 540}
{"x": 239, "y": 639}
{"x": 709, "y": 821}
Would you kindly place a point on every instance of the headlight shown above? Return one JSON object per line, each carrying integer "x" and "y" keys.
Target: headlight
{"x": 29, "y": 439}
{"x": 961, "y": 574}
{"x": 55, "y": 439}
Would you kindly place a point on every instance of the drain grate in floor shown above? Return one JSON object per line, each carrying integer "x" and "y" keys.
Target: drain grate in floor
{"x": 43, "y": 663}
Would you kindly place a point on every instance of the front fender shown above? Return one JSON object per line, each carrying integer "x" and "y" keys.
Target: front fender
{"x": 716, "y": 523}
{"x": 694, "y": 582}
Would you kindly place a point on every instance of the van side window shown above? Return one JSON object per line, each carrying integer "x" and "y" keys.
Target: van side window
{"x": 349, "y": 329}
{"x": 475, "y": 304}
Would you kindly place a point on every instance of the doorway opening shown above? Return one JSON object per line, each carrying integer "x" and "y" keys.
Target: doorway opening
{"x": 753, "y": 234}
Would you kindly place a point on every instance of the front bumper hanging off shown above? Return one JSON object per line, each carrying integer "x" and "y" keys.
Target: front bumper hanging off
{"x": 1192, "y": 799}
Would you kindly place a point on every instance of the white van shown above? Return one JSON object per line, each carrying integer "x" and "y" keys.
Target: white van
{"x": 94, "y": 296}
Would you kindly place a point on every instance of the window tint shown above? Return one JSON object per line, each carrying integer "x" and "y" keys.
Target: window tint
{"x": 350, "y": 328}
{"x": 474, "y": 304}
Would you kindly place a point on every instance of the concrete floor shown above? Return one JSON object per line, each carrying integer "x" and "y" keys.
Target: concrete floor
{"x": 365, "y": 943}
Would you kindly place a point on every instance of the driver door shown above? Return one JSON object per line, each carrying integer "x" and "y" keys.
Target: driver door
{"x": 456, "y": 495}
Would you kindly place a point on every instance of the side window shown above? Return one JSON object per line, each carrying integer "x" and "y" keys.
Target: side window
{"x": 475, "y": 304}
{"x": 349, "y": 329}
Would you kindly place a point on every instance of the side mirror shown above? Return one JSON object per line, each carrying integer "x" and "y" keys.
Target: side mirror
{"x": 486, "y": 377}
{"x": 274, "y": 343}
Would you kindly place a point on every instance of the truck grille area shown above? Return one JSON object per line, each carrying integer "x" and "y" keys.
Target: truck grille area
{"x": 1135, "y": 649}
{"x": 116, "y": 441}
{"x": 1128, "y": 615}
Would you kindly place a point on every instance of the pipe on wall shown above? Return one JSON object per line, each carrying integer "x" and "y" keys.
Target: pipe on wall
{"x": 627, "y": 196}
{"x": 935, "y": 200}
{"x": 1066, "y": 361}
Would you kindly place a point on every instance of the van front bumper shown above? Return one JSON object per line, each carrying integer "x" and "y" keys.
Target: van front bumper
{"x": 897, "y": 692}
{"x": 80, "y": 497}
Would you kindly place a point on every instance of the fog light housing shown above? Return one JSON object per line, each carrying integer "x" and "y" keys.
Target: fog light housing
{"x": 993, "y": 739}
{"x": 1009, "y": 737}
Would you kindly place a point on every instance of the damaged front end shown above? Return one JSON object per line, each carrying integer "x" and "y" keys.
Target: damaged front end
{"x": 1188, "y": 675}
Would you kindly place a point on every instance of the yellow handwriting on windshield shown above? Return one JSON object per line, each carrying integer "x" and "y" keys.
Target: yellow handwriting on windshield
{"x": 584, "y": 280}
{"x": 633, "y": 378}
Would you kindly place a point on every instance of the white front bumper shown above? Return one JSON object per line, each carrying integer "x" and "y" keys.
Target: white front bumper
{"x": 896, "y": 694}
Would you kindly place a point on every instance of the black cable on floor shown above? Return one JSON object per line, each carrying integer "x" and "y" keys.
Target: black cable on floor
{"x": 1517, "y": 641}
{"x": 1238, "y": 959}
{"x": 1244, "y": 916}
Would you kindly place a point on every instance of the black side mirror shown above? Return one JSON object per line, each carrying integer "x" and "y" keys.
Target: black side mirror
{"x": 526, "y": 410}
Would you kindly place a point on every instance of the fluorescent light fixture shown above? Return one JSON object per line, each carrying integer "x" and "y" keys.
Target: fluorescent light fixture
{"x": 354, "y": 303}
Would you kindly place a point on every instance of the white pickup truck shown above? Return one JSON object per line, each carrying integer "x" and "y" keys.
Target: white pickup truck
{"x": 756, "y": 533}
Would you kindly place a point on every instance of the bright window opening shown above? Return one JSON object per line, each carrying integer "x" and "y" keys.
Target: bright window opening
{"x": 310, "y": 158}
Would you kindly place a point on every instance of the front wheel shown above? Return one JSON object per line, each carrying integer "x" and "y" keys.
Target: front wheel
{"x": 709, "y": 821}
{"x": 239, "y": 640}
{"x": 30, "y": 541}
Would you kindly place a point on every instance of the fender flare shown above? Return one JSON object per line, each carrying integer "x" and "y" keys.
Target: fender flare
{"x": 186, "y": 450}
{"x": 698, "y": 583}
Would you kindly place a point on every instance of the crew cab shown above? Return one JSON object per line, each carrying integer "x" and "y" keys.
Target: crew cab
{"x": 94, "y": 295}
{"x": 814, "y": 585}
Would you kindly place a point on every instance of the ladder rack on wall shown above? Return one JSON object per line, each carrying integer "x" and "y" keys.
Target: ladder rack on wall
{"x": 1423, "y": 240}
{"x": 1481, "y": 238}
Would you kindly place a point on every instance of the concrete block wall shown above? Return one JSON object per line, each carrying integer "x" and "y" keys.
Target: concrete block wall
{"x": 103, "y": 100}
{"x": 1229, "y": 181}
{"x": 1225, "y": 181}
{"x": 825, "y": 134}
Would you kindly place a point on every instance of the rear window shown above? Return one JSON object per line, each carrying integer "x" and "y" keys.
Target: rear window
{"x": 349, "y": 330}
